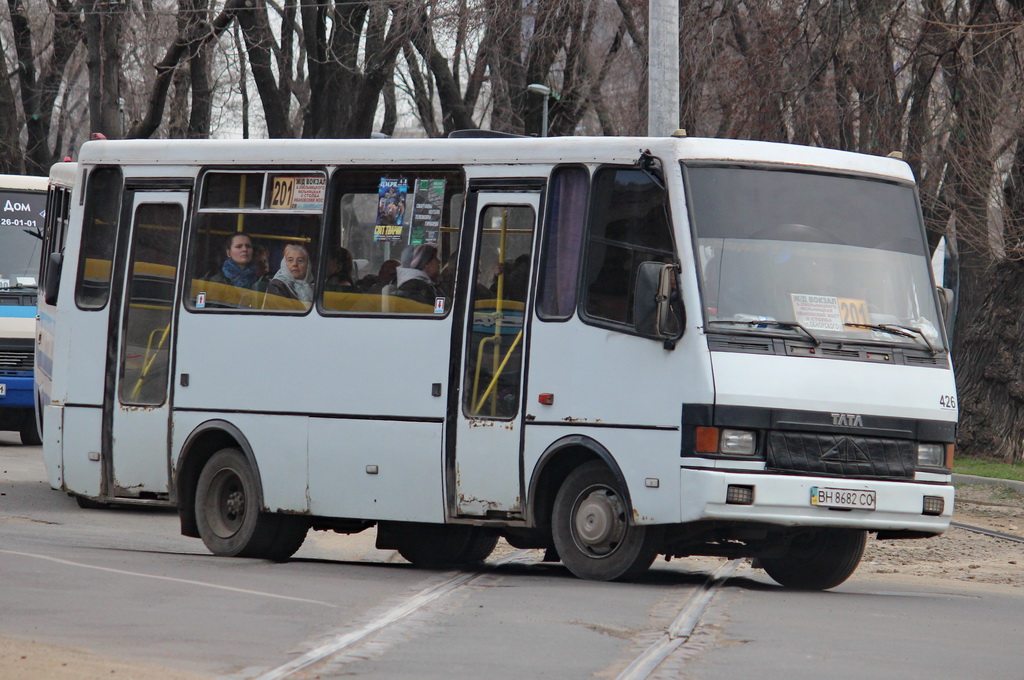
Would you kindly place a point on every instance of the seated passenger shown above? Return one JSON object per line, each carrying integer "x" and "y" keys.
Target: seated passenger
{"x": 417, "y": 276}
{"x": 385, "y": 277}
{"x": 261, "y": 262}
{"x": 238, "y": 269}
{"x": 295, "y": 278}
{"x": 340, "y": 277}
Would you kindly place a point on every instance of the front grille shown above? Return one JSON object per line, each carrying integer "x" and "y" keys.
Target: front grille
{"x": 16, "y": 360}
{"x": 841, "y": 455}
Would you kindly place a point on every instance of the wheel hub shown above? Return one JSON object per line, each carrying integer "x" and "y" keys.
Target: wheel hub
{"x": 226, "y": 504}
{"x": 235, "y": 504}
{"x": 599, "y": 521}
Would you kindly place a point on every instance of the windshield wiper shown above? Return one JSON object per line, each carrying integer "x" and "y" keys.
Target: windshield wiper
{"x": 769, "y": 322}
{"x": 905, "y": 331}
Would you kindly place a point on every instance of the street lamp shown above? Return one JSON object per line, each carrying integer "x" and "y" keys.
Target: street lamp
{"x": 544, "y": 91}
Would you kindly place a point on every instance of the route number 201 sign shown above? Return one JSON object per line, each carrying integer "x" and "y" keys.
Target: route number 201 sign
{"x": 289, "y": 192}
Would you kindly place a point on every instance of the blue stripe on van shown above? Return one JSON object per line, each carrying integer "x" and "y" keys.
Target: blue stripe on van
{"x": 18, "y": 311}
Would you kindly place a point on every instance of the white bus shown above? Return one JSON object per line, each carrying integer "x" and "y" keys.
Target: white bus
{"x": 609, "y": 348}
{"x": 22, "y": 209}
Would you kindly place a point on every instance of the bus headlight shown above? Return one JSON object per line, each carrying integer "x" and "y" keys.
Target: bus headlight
{"x": 931, "y": 455}
{"x": 737, "y": 443}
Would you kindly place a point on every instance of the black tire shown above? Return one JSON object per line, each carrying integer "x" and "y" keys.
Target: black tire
{"x": 591, "y": 528}
{"x": 228, "y": 515}
{"x": 445, "y": 545}
{"x": 29, "y": 433}
{"x": 818, "y": 559}
{"x": 87, "y": 503}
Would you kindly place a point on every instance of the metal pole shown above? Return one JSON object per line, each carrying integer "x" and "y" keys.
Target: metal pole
{"x": 544, "y": 118}
{"x": 663, "y": 68}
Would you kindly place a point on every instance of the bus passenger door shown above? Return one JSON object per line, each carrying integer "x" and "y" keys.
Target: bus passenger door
{"x": 138, "y": 408}
{"x": 487, "y": 459}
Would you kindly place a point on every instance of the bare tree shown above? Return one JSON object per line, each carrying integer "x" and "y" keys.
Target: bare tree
{"x": 43, "y": 45}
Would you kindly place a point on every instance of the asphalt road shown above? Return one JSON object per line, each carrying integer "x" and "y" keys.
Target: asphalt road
{"x": 123, "y": 584}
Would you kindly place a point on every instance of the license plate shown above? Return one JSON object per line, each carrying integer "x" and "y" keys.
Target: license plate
{"x": 849, "y": 499}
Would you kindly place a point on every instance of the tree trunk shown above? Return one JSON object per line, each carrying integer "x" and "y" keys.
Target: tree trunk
{"x": 990, "y": 373}
{"x": 103, "y": 36}
{"x": 182, "y": 46}
{"x": 11, "y": 156}
{"x": 988, "y": 331}
{"x": 259, "y": 42}
{"x": 454, "y": 112}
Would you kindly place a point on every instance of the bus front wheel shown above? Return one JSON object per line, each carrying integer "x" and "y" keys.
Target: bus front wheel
{"x": 591, "y": 530}
{"x": 818, "y": 559}
{"x": 228, "y": 513}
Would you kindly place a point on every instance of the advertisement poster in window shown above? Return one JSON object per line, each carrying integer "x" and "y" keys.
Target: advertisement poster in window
{"x": 391, "y": 195}
{"x": 428, "y": 202}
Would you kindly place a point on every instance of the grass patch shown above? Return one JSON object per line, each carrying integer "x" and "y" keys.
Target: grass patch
{"x": 982, "y": 467}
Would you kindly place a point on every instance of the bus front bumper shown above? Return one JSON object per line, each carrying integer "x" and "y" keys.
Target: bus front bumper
{"x": 16, "y": 391}
{"x": 789, "y": 500}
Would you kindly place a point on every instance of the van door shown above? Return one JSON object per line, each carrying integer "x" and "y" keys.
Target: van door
{"x": 138, "y": 407}
{"x": 485, "y": 465}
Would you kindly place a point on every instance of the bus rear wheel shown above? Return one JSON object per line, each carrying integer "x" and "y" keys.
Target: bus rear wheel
{"x": 228, "y": 513}
{"x": 818, "y": 559}
{"x": 445, "y": 545}
{"x": 591, "y": 530}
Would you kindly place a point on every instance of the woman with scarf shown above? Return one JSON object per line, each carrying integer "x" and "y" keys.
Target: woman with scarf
{"x": 238, "y": 269}
{"x": 295, "y": 278}
{"x": 417, "y": 276}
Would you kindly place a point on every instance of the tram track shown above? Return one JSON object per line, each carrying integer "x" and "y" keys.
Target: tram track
{"x": 680, "y": 630}
{"x": 988, "y": 532}
{"x": 411, "y": 605}
{"x": 674, "y": 636}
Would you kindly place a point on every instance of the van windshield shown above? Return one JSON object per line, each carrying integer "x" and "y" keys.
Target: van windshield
{"x": 21, "y": 228}
{"x": 835, "y": 257}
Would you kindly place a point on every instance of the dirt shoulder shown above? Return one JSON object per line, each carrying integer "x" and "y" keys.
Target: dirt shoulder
{"x": 960, "y": 554}
{"x": 30, "y": 660}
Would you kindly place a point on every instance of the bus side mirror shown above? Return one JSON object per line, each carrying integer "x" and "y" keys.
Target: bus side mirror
{"x": 654, "y": 315}
{"x": 52, "y": 282}
{"x": 946, "y": 308}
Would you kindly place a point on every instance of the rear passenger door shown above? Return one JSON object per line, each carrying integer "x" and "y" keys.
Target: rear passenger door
{"x": 485, "y": 463}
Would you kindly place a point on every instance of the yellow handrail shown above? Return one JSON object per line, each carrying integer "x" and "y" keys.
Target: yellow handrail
{"x": 479, "y": 362}
{"x": 150, "y": 356}
{"x": 497, "y": 373}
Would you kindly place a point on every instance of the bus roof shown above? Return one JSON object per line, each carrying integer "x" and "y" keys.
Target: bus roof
{"x": 63, "y": 173}
{"x": 23, "y": 182}
{"x": 481, "y": 151}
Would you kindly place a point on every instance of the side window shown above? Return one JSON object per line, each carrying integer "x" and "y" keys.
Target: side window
{"x": 55, "y": 232}
{"x": 494, "y": 358}
{"x": 254, "y": 243}
{"x": 50, "y": 228}
{"x": 628, "y": 226}
{"x": 152, "y": 271}
{"x": 563, "y": 241}
{"x": 392, "y": 241}
{"x": 65, "y": 214}
{"x": 99, "y": 238}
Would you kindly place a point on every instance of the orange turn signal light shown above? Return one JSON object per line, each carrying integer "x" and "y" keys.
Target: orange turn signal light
{"x": 707, "y": 440}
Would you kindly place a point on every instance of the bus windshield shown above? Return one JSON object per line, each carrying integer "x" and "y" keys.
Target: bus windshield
{"x": 21, "y": 231}
{"x": 824, "y": 256}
